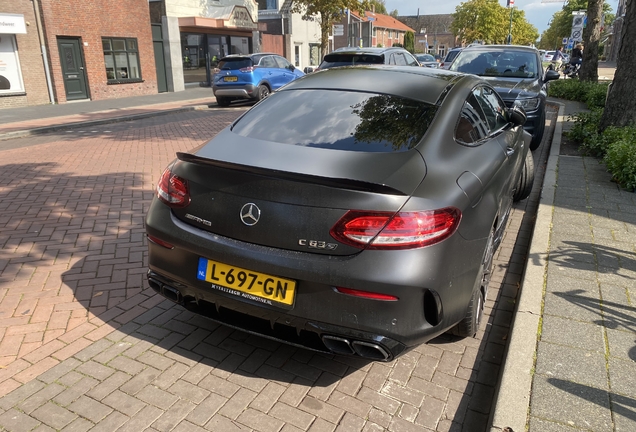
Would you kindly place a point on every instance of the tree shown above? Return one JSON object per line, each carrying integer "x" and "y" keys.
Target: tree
{"x": 379, "y": 5}
{"x": 620, "y": 107}
{"x": 409, "y": 41}
{"x": 591, "y": 38}
{"x": 561, "y": 23}
{"x": 394, "y": 13}
{"x": 489, "y": 22}
{"x": 327, "y": 13}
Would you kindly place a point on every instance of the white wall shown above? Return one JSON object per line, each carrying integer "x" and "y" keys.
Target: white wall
{"x": 304, "y": 32}
{"x": 199, "y": 8}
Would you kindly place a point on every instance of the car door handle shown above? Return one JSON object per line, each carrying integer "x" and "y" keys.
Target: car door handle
{"x": 510, "y": 151}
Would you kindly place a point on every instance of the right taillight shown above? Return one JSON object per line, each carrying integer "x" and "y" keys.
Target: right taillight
{"x": 173, "y": 190}
{"x": 402, "y": 230}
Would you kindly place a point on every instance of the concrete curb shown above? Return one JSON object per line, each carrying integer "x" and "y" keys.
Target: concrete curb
{"x": 513, "y": 397}
{"x": 117, "y": 119}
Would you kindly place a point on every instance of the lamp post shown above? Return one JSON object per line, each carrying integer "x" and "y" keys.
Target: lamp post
{"x": 511, "y": 5}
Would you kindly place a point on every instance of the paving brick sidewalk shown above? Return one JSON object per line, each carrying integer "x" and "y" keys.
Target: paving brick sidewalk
{"x": 577, "y": 313}
{"x": 85, "y": 344}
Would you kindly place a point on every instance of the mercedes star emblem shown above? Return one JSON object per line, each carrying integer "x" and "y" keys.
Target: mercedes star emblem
{"x": 250, "y": 214}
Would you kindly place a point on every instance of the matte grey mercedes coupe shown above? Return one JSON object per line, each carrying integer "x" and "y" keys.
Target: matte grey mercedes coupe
{"x": 354, "y": 211}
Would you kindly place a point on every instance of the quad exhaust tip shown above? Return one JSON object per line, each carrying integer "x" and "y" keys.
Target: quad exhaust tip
{"x": 339, "y": 345}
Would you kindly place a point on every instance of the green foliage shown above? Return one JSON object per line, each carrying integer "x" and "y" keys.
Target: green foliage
{"x": 616, "y": 145}
{"x": 620, "y": 158}
{"x": 380, "y": 6}
{"x": 593, "y": 94}
{"x": 561, "y": 23}
{"x": 488, "y": 21}
{"x": 409, "y": 41}
{"x": 585, "y": 132}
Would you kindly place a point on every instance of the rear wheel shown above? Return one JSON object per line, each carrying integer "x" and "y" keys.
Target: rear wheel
{"x": 221, "y": 101}
{"x": 469, "y": 326}
{"x": 262, "y": 92}
{"x": 526, "y": 179}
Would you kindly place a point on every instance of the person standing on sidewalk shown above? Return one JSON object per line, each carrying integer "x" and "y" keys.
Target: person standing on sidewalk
{"x": 577, "y": 55}
{"x": 557, "y": 58}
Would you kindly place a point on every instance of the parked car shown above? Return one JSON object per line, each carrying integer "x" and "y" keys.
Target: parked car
{"x": 427, "y": 60}
{"x": 351, "y": 56}
{"x": 547, "y": 56}
{"x": 251, "y": 76}
{"x": 450, "y": 56}
{"x": 355, "y": 211}
{"x": 517, "y": 74}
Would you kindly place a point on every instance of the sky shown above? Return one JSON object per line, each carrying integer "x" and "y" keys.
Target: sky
{"x": 537, "y": 13}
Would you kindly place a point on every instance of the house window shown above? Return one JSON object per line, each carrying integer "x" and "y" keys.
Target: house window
{"x": 314, "y": 54}
{"x": 121, "y": 57}
{"x": 441, "y": 50}
{"x": 267, "y": 5}
{"x": 390, "y": 33}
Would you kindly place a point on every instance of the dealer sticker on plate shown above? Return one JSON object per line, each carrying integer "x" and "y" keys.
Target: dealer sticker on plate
{"x": 249, "y": 284}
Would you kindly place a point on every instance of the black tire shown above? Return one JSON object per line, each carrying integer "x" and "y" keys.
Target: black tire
{"x": 262, "y": 92}
{"x": 221, "y": 101}
{"x": 526, "y": 179}
{"x": 538, "y": 133}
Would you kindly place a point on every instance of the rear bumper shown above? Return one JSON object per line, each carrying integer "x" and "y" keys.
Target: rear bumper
{"x": 244, "y": 91}
{"x": 433, "y": 285}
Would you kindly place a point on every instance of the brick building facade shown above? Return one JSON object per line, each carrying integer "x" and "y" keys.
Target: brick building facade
{"x": 99, "y": 49}
{"x": 21, "y": 61}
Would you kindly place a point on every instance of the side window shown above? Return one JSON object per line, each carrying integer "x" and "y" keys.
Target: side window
{"x": 268, "y": 62}
{"x": 399, "y": 59}
{"x": 472, "y": 125}
{"x": 282, "y": 62}
{"x": 411, "y": 61}
{"x": 493, "y": 107}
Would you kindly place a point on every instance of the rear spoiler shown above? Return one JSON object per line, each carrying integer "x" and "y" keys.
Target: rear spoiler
{"x": 340, "y": 183}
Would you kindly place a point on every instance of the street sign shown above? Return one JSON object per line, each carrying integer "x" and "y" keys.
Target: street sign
{"x": 564, "y": 41}
{"x": 577, "y": 35}
{"x": 338, "y": 30}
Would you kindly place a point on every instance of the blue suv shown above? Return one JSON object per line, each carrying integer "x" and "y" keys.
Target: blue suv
{"x": 251, "y": 76}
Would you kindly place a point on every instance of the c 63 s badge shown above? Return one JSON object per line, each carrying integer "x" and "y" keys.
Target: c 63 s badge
{"x": 316, "y": 244}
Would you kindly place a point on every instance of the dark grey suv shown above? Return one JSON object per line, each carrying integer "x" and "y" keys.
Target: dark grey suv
{"x": 352, "y": 56}
{"x": 516, "y": 73}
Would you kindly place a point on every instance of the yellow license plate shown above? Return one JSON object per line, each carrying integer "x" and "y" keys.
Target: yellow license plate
{"x": 230, "y": 78}
{"x": 249, "y": 284}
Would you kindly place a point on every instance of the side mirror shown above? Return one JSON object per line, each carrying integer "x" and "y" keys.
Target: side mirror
{"x": 551, "y": 75}
{"x": 517, "y": 115}
{"x": 292, "y": 67}
{"x": 308, "y": 69}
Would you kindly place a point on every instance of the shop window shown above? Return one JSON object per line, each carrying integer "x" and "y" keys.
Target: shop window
{"x": 10, "y": 72}
{"x": 121, "y": 58}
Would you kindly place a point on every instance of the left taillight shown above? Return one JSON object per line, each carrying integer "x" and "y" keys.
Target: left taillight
{"x": 173, "y": 190}
{"x": 247, "y": 69}
{"x": 402, "y": 230}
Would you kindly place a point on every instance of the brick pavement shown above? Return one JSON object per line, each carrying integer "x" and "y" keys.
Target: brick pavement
{"x": 85, "y": 344}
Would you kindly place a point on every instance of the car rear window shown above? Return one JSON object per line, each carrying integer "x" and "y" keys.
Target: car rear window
{"x": 335, "y": 60}
{"x": 235, "y": 63}
{"x": 451, "y": 56}
{"x": 338, "y": 120}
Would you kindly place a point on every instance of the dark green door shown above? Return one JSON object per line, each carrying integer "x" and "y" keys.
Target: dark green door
{"x": 72, "y": 69}
{"x": 160, "y": 61}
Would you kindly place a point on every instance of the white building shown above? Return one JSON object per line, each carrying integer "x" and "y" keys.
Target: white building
{"x": 300, "y": 38}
